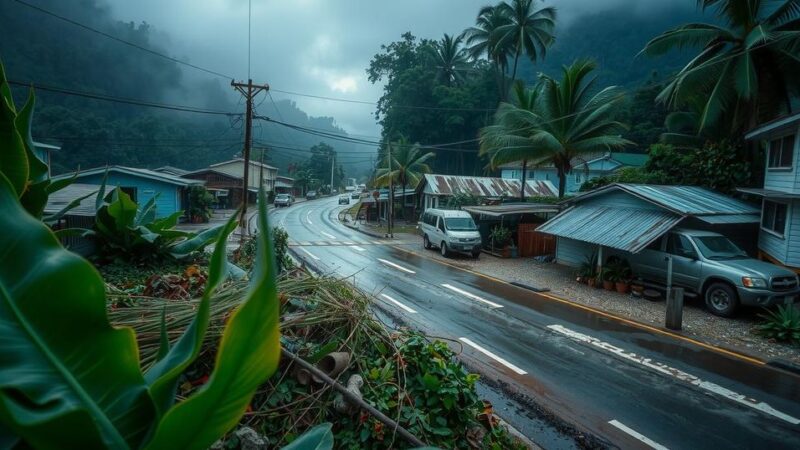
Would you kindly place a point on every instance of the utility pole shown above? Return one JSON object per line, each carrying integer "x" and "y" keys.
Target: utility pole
{"x": 249, "y": 91}
{"x": 333, "y": 161}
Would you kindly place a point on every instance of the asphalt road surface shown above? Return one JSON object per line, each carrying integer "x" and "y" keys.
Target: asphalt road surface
{"x": 629, "y": 385}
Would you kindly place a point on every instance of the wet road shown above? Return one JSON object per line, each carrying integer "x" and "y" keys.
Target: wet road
{"x": 631, "y": 386}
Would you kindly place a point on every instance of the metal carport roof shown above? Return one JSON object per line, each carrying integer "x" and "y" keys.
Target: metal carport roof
{"x": 628, "y": 229}
{"x": 511, "y": 209}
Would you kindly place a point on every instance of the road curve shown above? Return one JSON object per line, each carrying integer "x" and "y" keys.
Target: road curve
{"x": 630, "y": 386}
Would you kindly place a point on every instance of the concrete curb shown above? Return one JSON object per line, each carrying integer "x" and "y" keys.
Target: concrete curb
{"x": 368, "y": 233}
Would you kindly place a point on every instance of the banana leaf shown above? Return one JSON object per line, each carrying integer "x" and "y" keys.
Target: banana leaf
{"x": 68, "y": 379}
{"x": 248, "y": 354}
{"x": 13, "y": 160}
{"x": 146, "y": 214}
{"x": 199, "y": 241}
{"x": 53, "y": 218}
{"x": 318, "y": 438}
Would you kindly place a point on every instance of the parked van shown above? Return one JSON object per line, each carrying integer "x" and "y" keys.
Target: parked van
{"x": 450, "y": 231}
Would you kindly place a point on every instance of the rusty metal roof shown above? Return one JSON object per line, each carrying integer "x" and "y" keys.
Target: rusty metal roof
{"x": 485, "y": 186}
{"x": 628, "y": 229}
{"x": 61, "y": 198}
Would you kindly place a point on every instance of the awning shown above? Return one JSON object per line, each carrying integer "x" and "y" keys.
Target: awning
{"x": 768, "y": 193}
{"x": 511, "y": 209}
{"x": 627, "y": 229}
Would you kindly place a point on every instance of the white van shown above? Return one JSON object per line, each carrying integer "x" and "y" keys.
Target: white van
{"x": 450, "y": 231}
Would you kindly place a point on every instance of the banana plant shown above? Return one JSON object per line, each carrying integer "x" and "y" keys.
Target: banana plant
{"x": 68, "y": 379}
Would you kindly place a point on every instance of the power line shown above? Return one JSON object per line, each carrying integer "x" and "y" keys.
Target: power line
{"x": 122, "y": 41}
{"x": 365, "y": 102}
{"x": 128, "y": 101}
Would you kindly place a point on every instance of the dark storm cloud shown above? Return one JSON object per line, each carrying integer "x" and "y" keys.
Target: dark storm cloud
{"x": 323, "y": 47}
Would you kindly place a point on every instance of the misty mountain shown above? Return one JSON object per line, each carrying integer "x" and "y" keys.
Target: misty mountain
{"x": 46, "y": 51}
{"x": 613, "y": 38}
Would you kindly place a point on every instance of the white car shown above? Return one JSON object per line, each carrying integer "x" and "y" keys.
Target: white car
{"x": 450, "y": 231}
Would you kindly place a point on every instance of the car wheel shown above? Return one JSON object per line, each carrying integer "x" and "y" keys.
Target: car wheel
{"x": 445, "y": 251}
{"x": 426, "y": 242}
{"x": 721, "y": 299}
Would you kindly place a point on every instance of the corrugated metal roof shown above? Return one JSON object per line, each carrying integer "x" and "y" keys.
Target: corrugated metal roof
{"x": 627, "y": 229}
{"x": 773, "y": 127}
{"x": 768, "y": 193}
{"x": 60, "y": 199}
{"x": 145, "y": 173}
{"x": 731, "y": 218}
{"x": 487, "y": 186}
{"x": 511, "y": 208}
{"x": 685, "y": 200}
{"x": 252, "y": 163}
{"x": 172, "y": 170}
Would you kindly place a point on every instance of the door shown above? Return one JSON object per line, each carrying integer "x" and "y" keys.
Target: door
{"x": 440, "y": 233}
{"x": 685, "y": 262}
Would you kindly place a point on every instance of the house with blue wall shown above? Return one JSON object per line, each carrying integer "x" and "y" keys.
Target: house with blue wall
{"x": 142, "y": 185}
{"x": 583, "y": 169}
{"x": 43, "y": 152}
{"x": 779, "y": 235}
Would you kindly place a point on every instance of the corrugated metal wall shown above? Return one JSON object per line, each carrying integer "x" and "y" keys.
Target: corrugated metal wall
{"x": 570, "y": 252}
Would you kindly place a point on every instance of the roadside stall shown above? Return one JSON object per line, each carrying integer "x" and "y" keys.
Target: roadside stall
{"x": 521, "y": 221}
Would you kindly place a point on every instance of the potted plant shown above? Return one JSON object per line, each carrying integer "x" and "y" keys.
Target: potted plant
{"x": 637, "y": 287}
{"x": 590, "y": 266}
{"x": 622, "y": 283}
{"x": 609, "y": 278}
{"x": 499, "y": 237}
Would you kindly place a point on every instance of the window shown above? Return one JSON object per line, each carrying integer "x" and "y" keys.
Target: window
{"x": 774, "y": 217}
{"x": 655, "y": 245}
{"x": 781, "y": 152}
{"x": 577, "y": 179}
{"x": 460, "y": 224}
{"x": 441, "y": 224}
{"x": 679, "y": 245}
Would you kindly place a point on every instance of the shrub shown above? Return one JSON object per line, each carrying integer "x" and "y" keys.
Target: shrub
{"x": 200, "y": 201}
{"x": 782, "y": 324}
{"x": 461, "y": 198}
{"x": 500, "y": 236}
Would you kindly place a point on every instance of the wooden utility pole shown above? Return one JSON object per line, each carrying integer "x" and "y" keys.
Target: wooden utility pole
{"x": 333, "y": 161}
{"x": 391, "y": 193}
{"x": 249, "y": 90}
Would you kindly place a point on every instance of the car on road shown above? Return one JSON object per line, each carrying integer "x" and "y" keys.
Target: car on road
{"x": 283, "y": 200}
{"x": 344, "y": 200}
{"x": 311, "y": 195}
{"x": 451, "y": 232}
{"x": 709, "y": 265}
{"x": 355, "y": 195}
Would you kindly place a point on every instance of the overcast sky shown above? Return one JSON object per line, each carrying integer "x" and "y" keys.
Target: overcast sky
{"x": 319, "y": 47}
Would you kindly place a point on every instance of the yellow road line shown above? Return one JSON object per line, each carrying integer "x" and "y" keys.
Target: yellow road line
{"x": 611, "y": 316}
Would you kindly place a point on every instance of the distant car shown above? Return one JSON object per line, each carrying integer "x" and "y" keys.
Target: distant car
{"x": 451, "y": 231}
{"x": 311, "y": 195}
{"x": 344, "y": 200}
{"x": 355, "y": 195}
{"x": 708, "y": 264}
{"x": 283, "y": 200}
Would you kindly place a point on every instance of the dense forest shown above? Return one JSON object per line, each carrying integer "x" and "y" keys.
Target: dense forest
{"x": 49, "y": 52}
{"x": 456, "y": 92}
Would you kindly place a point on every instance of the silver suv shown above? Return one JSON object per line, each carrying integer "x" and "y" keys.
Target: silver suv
{"x": 710, "y": 265}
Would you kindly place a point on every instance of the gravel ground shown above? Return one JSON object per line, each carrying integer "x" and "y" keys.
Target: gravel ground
{"x": 734, "y": 334}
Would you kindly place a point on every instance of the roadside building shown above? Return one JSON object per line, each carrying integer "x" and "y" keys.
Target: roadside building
{"x": 629, "y": 217}
{"x": 434, "y": 191}
{"x": 285, "y": 185}
{"x": 779, "y": 233}
{"x": 80, "y": 216}
{"x": 258, "y": 173}
{"x": 226, "y": 188}
{"x": 170, "y": 170}
{"x": 141, "y": 185}
{"x": 43, "y": 152}
{"x": 583, "y": 169}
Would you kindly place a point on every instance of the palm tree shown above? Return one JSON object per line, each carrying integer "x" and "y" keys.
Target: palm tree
{"x": 529, "y": 30}
{"x": 566, "y": 122}
{"x": 450, "y": 58}
{"x": 482, "y": 41}
{"x": 407, "y": 165}
{"x": 747, "y": 69}
{"x": 507, "y": 140}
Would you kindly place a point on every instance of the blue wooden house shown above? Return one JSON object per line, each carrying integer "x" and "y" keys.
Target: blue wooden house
{"x": 779, "y": 236}
{"x": 142, "y": 185}
{"x": 583, "y": 169}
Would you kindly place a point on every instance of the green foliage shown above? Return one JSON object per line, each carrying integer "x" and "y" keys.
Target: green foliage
{"x": 407, "y": 165}
{"x": 556, "y": 122}
{"x": 499, "y": 236}
{"x": 634, "y": 175}
{"x": 745, "y": 70}
{"x": 200, "y": 201}
{"x": 52, "y": 399}
{"x": 318, "y": 438}
{"x": 617, "y": 270}
{"x": 717, "y": 166}
{"x": 543, "y": 199}
{"x": 782, "y": 324}
{"x": 462, "y": 198}
{"x": 245, "y": 255}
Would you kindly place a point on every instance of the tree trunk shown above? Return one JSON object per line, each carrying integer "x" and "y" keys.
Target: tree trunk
{"x": 562, "y": 182}
{"x": 513, "y": 72}
{"x": 522, "y": 186}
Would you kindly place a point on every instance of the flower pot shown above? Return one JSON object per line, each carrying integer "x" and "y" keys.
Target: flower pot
{"x": 608, "y": 285}
{"x": 637, "y": 290}
{"x": 622, "y": 287}
{"x": 580, "y": 279}
{"x": 592, "y": 282}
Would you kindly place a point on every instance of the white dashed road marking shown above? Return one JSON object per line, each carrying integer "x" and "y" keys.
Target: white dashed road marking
{"x": 676, "y": 373}
{"x": 472, "y": 296}
{"x": 637, "y": 435}
{"x": 361, "y": 249}
{"x": 309, "y": 253}
{"x": 492, "y": 355}
{"x": 396, "y": 266}
{"x": 328, "y": 235}
{"x": 400, "y": 305}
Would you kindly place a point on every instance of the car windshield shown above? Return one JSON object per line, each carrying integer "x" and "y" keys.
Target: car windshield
{"x": 282, "y": 196}
{"x": 718, "y": 247}
{"x": 460, "y": 224}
